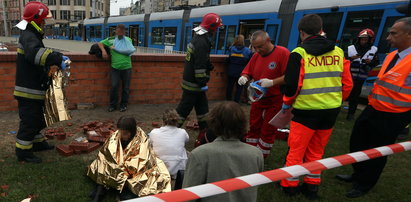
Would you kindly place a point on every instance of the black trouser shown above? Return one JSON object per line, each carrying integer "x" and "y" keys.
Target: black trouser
{"x": 125, "y": 77}
{"x": 31, "y": 113}
{"x": 199, "y": 101}
{"x": 231, "y": 82}
{"x": 374, "y": 128}
{"x": 354, "y": 96}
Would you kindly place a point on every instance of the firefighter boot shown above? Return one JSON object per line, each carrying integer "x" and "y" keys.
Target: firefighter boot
{"x": 310, "y": 191}
{"x": 27, "y": 156}
{"x": 42, "y": 146}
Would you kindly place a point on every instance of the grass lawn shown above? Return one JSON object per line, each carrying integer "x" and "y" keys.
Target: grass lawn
{"x": 63, "y": 178}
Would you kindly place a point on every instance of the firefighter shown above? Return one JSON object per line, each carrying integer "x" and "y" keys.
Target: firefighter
{"x": 317, "y": 80}
{"x": 268, "y": 62}
{"x": 388, "y": 111}
{"x": 32, "y": 81}
{"x": 363, "y": 58}
{"x": 196, "y": 74}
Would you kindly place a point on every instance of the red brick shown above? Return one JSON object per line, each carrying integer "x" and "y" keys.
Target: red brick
{"x": 79, "y": 146}
{"x": 64, "y": 150}
{"x": 105, "y": 132}
{"x": 92, "y": 146}
{"x": 99, "y": 139}
{"x": 60, "y": 136}
{"x": 156, "y": 124}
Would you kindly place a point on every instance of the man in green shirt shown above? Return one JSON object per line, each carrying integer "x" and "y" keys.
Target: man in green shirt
{"x": 120, "y": 66}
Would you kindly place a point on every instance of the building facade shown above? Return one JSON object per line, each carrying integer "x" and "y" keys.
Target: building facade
{"x": 10, "y": 11}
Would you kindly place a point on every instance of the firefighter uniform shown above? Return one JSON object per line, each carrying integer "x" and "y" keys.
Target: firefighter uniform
{"x": 271, "y": 66}
{"x": 32, "y": 81}
{"x": 196, "y": 74}
{"x": 317, "y": 80}
{"x": 387, "y": 114}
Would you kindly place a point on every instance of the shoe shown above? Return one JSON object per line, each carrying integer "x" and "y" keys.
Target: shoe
{"x": 26, "y": 155}
{"x": 310, "y": 191}
{"x": 355, "y": 193}
{"x": 345, "y": 178}
{"x": 290, "y": 191}
{"x": 98, "y": 193}
{"x": 123, "y": 109}
{"x": 42, "y": 146}
{"x": 111, "y": 109}
{"x": 350, "y": 117}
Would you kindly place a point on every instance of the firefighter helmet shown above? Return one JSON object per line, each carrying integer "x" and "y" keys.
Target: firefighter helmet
{"x": 366, "y": 33}
{"x": 36, "y": 11}
{"x": 211, "y": 22}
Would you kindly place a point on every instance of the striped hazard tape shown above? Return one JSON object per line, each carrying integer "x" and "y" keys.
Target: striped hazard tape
{"x": 256, "y": 179}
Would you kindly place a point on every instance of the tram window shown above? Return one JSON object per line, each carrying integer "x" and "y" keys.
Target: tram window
{"x": 272, "y": 32}
{"x": 331, "y": 24}
{"x": 356, "y": 21}
{"x": 221, "y": 37}
{"x": 112, "y": 31}
{"x": 157, "y": 36}
{"x": 230, "y": 35}
{"x": 248, "y": 27}
{"x": 98, "y": 31}
{"x": 170, "y": 35}
{"x": 384, "y": 46}
{"x": 186, "y": 37}
{"x": 134, "y": 34}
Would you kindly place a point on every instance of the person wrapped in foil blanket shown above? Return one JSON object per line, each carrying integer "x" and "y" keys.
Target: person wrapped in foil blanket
{"x": 127, "y": 161}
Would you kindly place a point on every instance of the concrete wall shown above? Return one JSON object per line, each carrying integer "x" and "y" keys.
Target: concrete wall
{"x": 155, "y": 79}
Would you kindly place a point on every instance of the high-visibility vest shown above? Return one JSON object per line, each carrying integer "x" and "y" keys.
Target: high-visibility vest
{"x": 392, "y": 90}
{"x": 322, "y": 85}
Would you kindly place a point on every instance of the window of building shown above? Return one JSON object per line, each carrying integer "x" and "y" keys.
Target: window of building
{"x": 79, "y": 2}
{"x": 157, "y": 36}
{"x": 64, "y": 2}
{"x": 54, "y": 13}
{"x": 65, "y": 15}
{"x": 79, "y": 15}
{"x": 170, "y": 36}
{"x": 51, "y": 2}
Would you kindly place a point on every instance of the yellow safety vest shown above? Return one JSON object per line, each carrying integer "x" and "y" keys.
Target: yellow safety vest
{"x": 321, "y": 86}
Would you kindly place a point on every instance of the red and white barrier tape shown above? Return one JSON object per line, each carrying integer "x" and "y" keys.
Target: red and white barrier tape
{"x": 256, "y": 179}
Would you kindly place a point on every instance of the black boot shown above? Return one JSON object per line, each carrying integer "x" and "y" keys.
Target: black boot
{"x": 290, "y": 191}
{"x": 310, "y": 191}
{"x": 27, "y": 155}
{"x": 42, "y": 146}
{"x": 98, "y": 193}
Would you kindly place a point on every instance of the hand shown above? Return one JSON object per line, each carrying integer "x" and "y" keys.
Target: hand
{"x": 242, "y": 80}
{"x": 285, "y": 107}
{"x": 204, "y": 88}
{"x": 266, "y": 83}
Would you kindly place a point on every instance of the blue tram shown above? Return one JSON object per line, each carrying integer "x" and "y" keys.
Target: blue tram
{"x": 343, "y": 19}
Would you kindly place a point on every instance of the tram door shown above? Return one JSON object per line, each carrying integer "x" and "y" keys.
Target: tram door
{"x": 248, "y": 27}
{"x": 133, "y": 34}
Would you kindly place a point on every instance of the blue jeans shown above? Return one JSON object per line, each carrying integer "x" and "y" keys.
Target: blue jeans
{"x": 116, "y": 76}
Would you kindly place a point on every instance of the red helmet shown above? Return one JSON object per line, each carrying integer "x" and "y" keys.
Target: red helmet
{"x": 211, "y": 22}
{"x": 367, "y": 33}
{"x": 36, "y": 11}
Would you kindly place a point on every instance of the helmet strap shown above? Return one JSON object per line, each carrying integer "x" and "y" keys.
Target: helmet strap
{"x": 36, "y": 26}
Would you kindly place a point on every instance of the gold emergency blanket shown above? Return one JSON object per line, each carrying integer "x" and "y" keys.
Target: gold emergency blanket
{"x": 137, "y": 166}
{"x": 55, "y": 102}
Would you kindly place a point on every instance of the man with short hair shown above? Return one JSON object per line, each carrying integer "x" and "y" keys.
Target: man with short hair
{"x": 121, "y": 49}
{"x": 388, "y": 110}
{"x": 317, "y": 80}
{"x": 269, "y": 62}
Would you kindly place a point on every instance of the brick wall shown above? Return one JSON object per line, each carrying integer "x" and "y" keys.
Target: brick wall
{"x": 155, "y": 79}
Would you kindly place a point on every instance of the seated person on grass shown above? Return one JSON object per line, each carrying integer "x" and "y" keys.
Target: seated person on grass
{"x": 169, "y": 141}
{"x": 127, "y": 163}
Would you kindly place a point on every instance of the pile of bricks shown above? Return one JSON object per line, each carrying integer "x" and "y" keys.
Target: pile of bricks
{"x": 96, "y": 132}
{"x": 58, "y": 133}
{"x": 76, "y": 147}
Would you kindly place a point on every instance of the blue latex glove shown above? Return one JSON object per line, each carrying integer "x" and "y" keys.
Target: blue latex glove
{"x": 63, "y": 62}
{"x": 204, "y": 88}
{"x": 285, "y": 107}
